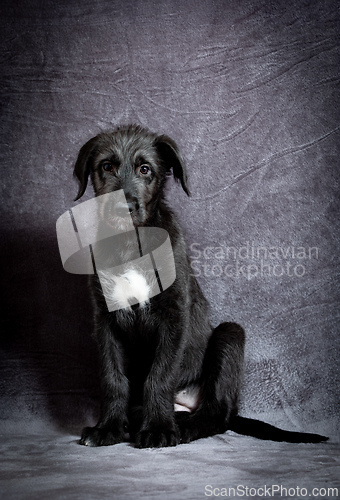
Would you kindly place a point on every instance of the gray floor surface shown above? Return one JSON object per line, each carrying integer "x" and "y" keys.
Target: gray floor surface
{"x": 53, "y": 466}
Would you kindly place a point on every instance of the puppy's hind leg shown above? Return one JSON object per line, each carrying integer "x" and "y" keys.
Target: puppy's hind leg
{"x": 220, "y": 385}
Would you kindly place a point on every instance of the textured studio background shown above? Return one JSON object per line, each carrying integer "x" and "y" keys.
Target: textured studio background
{"x": 249, "y": 89}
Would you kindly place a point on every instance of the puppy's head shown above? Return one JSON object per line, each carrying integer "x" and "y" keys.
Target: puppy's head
{"x": 135, "y": 160}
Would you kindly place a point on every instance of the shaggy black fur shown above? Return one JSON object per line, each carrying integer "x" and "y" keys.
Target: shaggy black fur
{"x": 149, "y": 354}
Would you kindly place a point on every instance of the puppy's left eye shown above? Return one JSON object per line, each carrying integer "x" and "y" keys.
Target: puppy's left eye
{"x": 144, "y": 169}
{"x": 107, "y": 166}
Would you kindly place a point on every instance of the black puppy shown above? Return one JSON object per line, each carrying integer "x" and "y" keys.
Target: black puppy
{"x": 162, "y": 354}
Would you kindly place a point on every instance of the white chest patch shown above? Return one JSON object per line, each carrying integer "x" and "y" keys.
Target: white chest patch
{"x": 126, "y": 289}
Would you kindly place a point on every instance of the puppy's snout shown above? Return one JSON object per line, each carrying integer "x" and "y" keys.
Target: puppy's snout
{"x": 125, "y": 209}
{"x": 132, "y": 203}
{"x": 133, "y": 206}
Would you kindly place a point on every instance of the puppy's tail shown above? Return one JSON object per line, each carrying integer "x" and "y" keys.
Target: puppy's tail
{"x": 262, "y": 430}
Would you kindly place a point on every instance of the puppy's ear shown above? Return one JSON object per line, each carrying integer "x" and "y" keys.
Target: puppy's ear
{"x": 170, "y": 155}
{"x": 82, "y": 167}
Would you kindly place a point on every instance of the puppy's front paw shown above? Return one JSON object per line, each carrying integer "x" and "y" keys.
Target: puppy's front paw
{"x": 157, "y": 437}
{"x": 188, "y": 431}
{"x": 94, "y": 436}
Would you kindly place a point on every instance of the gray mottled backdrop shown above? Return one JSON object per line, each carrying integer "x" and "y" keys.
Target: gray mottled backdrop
{"x": 250, "y": 92}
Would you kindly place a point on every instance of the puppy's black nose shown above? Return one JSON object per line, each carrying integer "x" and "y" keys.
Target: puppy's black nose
{"x": 131, "y": 206}
{"x": 132, "y": 203}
